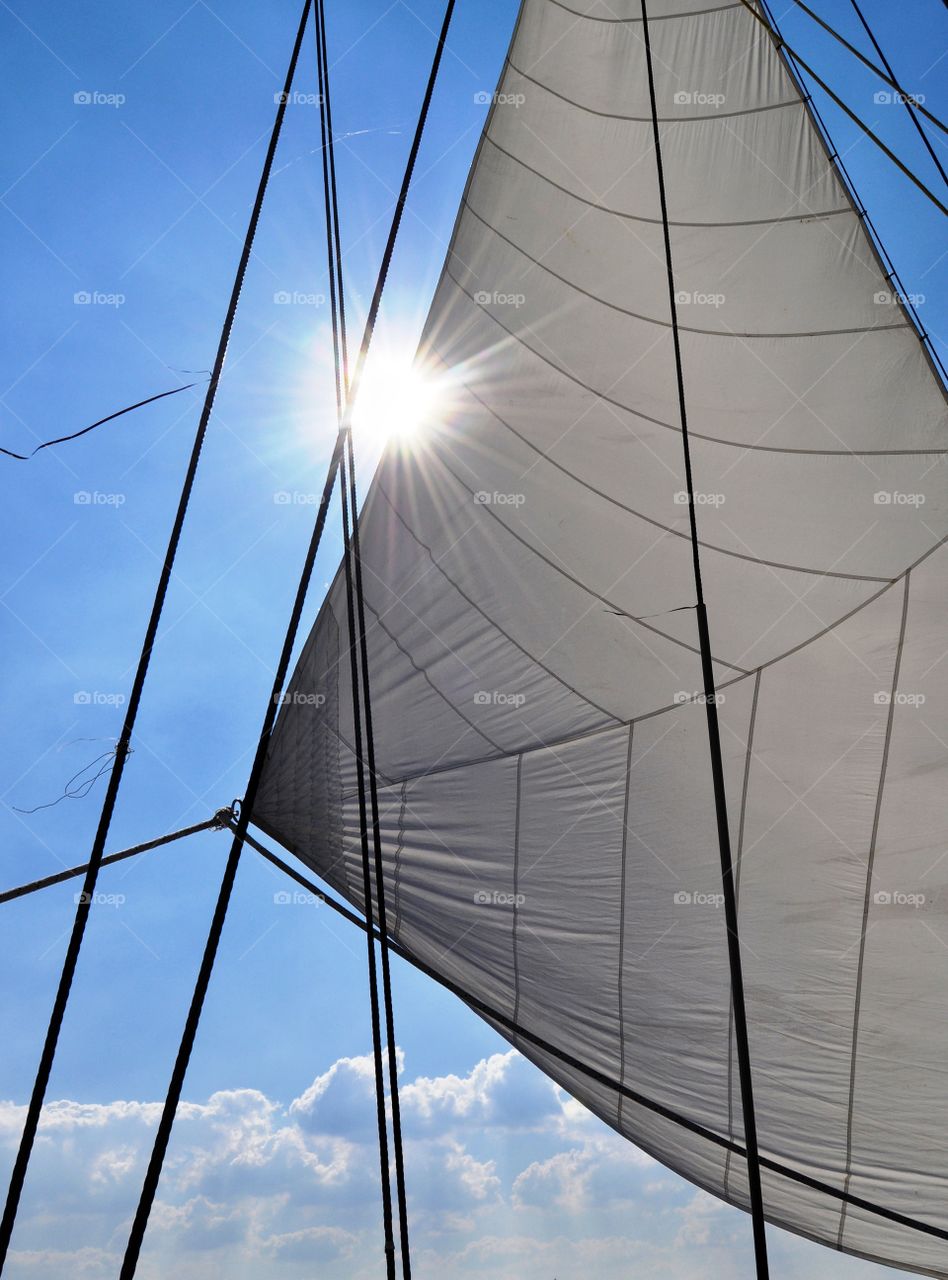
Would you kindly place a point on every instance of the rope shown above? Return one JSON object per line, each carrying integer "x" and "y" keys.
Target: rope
{"x": 218, "y": 822}
{"x": 584, "y": 1068}
{"x": 780, "y": 43}
{"x": 322, "y": 51}
{"x": 888, "y": 76}
{"x": 379, "y": 876}
{"x": 340, "y": 358}
{"x": 911, "y": 102}
{"x": 836, "y": 162}
{"x": 173, "y": 1097}
{"x": 363, "y": 645}
{"x": 162, "y": 1137}
{"x": 367, "y": 893}
{"x": 86, "y": 898}
{"x": 714, "y": 738}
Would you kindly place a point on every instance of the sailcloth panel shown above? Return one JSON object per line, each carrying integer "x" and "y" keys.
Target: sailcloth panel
{"x": 546, "y": 806}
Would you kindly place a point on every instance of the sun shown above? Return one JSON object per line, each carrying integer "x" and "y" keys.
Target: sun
{"x": 396, "y": 401}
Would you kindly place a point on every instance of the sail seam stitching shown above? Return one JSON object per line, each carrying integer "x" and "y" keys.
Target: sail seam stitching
{"x": 487, "y": 618}
{"x": 622, "y": 888}
{"x": 664, "y": 324}
{"x": 675, "y": 706}
{"x": 710, "y": 546}
{"x": 515, "y": 919}
{"x": 620, "y": 612}
{"x": 668, "y": 426}
{"x": 737, "y": 896}
{"x": 657, "y": 222}
{"x": 431, "y": 684}
{"x": 661, "y": 17}
{"x": 867, "y": 899}
{"x": 610, "y": 115}
{"x": 399, "y": 849}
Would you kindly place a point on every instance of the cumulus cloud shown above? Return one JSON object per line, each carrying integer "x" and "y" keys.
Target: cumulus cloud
{"x": 509, "y": 1179}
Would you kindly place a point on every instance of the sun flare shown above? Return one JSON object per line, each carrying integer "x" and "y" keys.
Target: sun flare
{"x": 396, "y": 400}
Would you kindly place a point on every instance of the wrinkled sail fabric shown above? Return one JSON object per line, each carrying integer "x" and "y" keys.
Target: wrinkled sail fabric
{"x": 546, "y": 801}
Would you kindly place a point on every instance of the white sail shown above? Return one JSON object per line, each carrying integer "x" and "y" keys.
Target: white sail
{"x": 547, "y": 812}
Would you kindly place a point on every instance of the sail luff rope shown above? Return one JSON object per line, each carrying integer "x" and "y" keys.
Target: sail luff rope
{"x": 887, "y": 76}
{"x": 211, "y": 824}
{"x": 86, "y": 898}
{"x": 561, "y": 1055}
{"x": 714, "y": 738}
{"x": 781, "y": 43}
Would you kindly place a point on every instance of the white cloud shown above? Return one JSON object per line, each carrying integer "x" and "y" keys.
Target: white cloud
{"x": 509, "y": 1179}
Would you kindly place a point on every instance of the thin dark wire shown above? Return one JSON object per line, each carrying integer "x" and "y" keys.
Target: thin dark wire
{"x": 44, "y": 1069}
{"x": 82, "y": 789}
{"x": 911, "y": 103}
{"x": 781, "y": 43}
{"x": 217, "y": 822}
{"x": 888, "y": 75}
{"x": 714, "y": 736}
{"x": 25, "y": 457}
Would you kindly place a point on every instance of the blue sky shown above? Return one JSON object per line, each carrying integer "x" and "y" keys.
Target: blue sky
{"x": 139, "y": 198}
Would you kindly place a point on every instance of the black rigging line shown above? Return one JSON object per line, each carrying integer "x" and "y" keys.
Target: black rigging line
{"x": 379, "y": 875}
{"x": 367, "y": 891}
{"x": 388, "y": 1003}
{"x": 363, "y": 644}
{"x": 714, "y": 738}
{"x": 912, "y": 104}
{"x": 202, "y": 982}
{"x": 342, "y": 390}
{"x": 86, "y": 898}
{"x": 217, "y": 823}
{"x": 782, "y": 44}
{"x": 912, "y": 101}
{"x": 323, "y": 52}
{"x": 172, "y": 1099}
{"x": 25, "y": 457}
